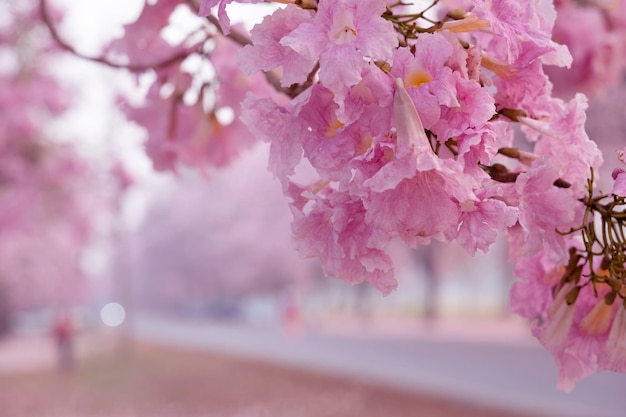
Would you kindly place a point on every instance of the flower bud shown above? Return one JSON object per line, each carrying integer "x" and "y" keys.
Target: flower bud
{"x": 572, "y": 295}
{"x": 457, "y": 14}
{"x": 408, "y": 123}
{"x": 598, "y": 320}
{"x": 513, "y": 114}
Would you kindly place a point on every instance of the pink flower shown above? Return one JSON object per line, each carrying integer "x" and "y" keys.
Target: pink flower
{"x": 565, "y": 141}
{"x": 613, "y": 357}
{"x": 414, "y": 195}
{"x": 476, "y": 107}
{"x": 430, "y": 83}
{"x": 560, "y": 317}
{"x": 619, "y": 186}
{"x": 544, "y": 209}
{"x": 271, "y": 123}
{"x": 531, "y": 294}
{"x": 334, "y": 229}
{"x": 514, "y": 28}
{"x": 344, "y": 35}
{"x": 416, "y": 209}
{"x": 480, "y": 222}
{"x": 267, "y": 53}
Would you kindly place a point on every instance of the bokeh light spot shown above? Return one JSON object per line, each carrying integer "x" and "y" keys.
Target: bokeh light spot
{"x": 113, "y": 314}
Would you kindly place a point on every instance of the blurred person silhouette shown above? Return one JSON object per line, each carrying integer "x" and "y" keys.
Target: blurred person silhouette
{"x": 63, "y": 332}
{"x": 289, "y": 308}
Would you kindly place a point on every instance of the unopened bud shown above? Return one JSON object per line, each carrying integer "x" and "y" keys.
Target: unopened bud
{"x": 307, "y": 4}
{"x": 510, "y": 152}
{"x": 561, "y": 183}
{"x": 606, "y": 262}
{"x": 572, "y": 295}
{"x": 614, "y": 283}
{"x": 384, "y": 66}
{"x": 610, "y": 298}
{"x": 498, "y": 168}
{"x": 513, "y": 114}
{"x": 457, "y": 14}
{"x": 574, "y": 275}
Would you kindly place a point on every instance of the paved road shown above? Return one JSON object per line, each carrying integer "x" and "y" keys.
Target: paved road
{"x": 507, "y": 376}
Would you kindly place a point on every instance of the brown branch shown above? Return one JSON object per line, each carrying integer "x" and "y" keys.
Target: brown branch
{"x": 47, "y": 20}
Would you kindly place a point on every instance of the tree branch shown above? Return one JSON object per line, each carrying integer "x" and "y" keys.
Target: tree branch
{"x": 47, "y": 20}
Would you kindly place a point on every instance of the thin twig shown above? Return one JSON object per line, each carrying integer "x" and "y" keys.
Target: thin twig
{"x": 47, "y": 20}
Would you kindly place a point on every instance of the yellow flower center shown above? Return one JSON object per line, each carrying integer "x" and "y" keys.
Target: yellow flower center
{"x": 416, "y": 78}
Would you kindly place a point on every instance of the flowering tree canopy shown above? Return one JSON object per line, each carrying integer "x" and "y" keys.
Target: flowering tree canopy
{"x": 50, "y": 199}
{"x": 388, "y": 121}
{"x": 217, "y": 229}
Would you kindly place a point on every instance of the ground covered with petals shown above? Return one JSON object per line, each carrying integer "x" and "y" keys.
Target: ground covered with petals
{"x": 158, "y": 382}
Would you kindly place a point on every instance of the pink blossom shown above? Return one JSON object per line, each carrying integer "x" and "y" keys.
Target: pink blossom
{"x": 274, "y": 124}
{"x": 544, "y": 209}
{"x": 531, "y": 294}
{"x": 480, "y": 222}
{"x": 480, "y": 145}
{"x": 429, "y": 82}
{"x": 344, "y": 35}
{"x": 335, "y": 230}
{"x": 476, "y": 107}
{"x": 566, "y": 142}
{"x": 577, "y": 346}
{"x": 522, "y": 84}
{"x": 613, "y": 356}
{"x": 515, "y": 28}
{"x": 619, "y": 186}
{"x": 267, "y": 53}
{"x": 416, "y": 209}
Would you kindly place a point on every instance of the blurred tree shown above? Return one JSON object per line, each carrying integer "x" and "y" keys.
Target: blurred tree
{"x": 51, "y": 199}
{"x": 208, "y": 242}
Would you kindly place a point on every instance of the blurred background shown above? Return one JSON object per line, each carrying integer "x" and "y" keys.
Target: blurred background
{"x": 125, "y": 291}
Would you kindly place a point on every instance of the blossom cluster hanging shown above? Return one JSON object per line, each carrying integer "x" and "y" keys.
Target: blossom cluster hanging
{"x": 420, "y": 128}
{"x": 391, "y": 121}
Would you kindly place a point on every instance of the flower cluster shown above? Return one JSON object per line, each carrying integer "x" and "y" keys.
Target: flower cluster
{"x": 388, "y": 121}
{"x": 403, "y": 133}
{"x": 418, "y": 129}
{"x": 578, "y": 308}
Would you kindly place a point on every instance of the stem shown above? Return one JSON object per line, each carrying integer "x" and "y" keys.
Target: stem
{"x": 47, "y": 20}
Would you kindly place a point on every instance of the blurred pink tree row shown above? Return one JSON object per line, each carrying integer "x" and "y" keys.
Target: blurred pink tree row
{"x": 50, "y": 198}
{"x": 211, "y": 244}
